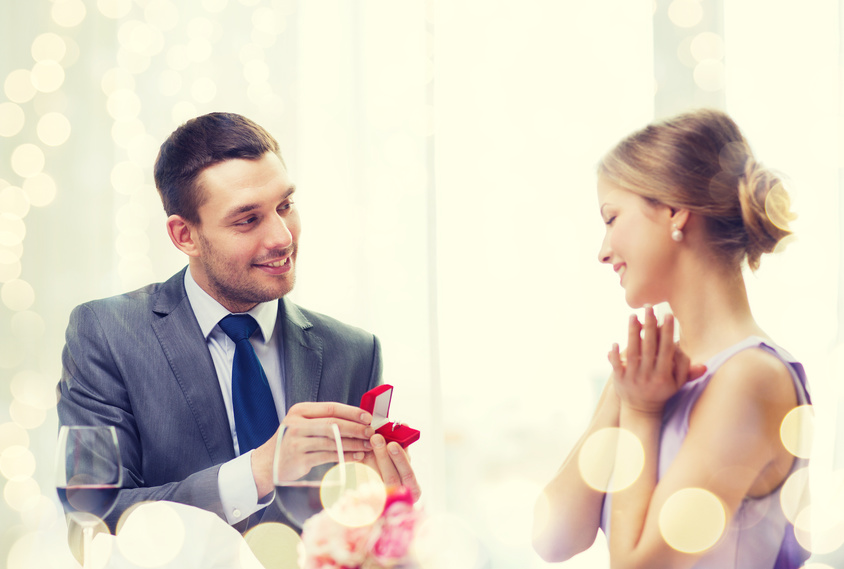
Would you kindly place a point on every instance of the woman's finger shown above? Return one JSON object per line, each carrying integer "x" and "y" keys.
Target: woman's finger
{"x": 665, "y": 360}
{"x": 615, "y": 361}
{"x": 681, "y": 367}
{"x": 634, "y": 351}
{"x": 649, "y": 334}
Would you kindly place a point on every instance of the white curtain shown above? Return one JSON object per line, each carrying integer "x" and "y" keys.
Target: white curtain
{"x": 444, "y": 153}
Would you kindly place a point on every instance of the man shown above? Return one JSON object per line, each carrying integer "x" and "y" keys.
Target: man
{"x": 162, "y": 365}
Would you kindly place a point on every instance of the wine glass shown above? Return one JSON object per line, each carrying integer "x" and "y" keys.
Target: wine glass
{"x": 351, "y": 492}
{"x": 89, "y": 475}
{"x": 300, "y": 499}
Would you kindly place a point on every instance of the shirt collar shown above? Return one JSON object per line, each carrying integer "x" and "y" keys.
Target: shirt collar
{"x": 209, "y": 312}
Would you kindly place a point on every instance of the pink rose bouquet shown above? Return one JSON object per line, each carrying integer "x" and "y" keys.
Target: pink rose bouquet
{"x": 382, "y": 544}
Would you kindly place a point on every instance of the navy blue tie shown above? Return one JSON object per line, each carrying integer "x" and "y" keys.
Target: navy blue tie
{"x": 255, "y": 417}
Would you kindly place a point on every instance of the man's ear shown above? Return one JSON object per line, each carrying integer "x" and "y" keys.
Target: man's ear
{"x": 679, "y": 217}
{"x": 183, "y": 234}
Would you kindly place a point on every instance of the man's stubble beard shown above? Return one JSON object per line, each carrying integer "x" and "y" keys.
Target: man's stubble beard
{"x": 245, "y": 292}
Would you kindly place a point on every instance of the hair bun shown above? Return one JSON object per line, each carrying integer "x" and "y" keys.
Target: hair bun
{"x": 765, "y": 210}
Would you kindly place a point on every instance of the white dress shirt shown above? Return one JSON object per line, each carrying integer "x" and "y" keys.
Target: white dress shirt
{"x": 238, "y": 493}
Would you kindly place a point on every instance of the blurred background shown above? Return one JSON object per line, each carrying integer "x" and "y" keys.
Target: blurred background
{"x": 444, "y": 153}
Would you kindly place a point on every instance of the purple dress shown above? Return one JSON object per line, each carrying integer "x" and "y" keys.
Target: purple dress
{"x": 759, "y": 536}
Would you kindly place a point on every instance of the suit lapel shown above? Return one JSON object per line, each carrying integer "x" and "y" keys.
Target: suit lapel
{"x": 302, "y": 355}
{"x": 181, "y": 339}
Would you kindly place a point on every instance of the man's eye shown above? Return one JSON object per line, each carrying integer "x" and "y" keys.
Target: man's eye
{"x": 247, "y": 221}
{"x": 286, "y": 205}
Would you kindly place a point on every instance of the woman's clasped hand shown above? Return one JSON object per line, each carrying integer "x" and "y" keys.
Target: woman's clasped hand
{"x": 653, "y": 367}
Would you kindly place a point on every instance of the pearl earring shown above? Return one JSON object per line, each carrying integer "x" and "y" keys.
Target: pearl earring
{"x": 676, "y": 235}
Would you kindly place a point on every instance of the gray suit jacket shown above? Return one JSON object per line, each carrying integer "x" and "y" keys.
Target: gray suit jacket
{"x": 138, "y": 361}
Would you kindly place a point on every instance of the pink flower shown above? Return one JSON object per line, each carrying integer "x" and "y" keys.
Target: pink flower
{"x": 328, "y": 544}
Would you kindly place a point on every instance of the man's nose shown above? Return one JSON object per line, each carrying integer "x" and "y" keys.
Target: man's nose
{"x": 279, "y": 236}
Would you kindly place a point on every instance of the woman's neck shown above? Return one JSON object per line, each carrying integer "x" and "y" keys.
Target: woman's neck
{"x": 712, "y": 309}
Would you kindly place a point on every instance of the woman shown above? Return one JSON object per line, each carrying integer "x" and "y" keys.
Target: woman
{"x": 685, "y": 204}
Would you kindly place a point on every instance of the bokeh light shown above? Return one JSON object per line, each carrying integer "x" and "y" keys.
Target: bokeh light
{"x": 12, "y": 434}
{"x": 794, "y": 495}
{"x": 12, "y": 119}
{"x": 114, "y": 9}
{"x": 40, "y": 511}
{"x": 685, "y": 13}
{"x": 692, "y": 520}
{"x": 200, "y": 27}
{"x": 40, "y": 189}
{"x": 27, "y": 160}
{"x": 445, "y": 542}
{"x": 25, "y": 415}
{"x": 53, "y": 129}
{"x": 256, "y": 71}
{"x": 34, "y": 389}
{"x": 778, "y": 206}
{"x": 214, "y": 6}
{"x": 20, "y": 493}
{"x": 18, "y": 86}
{"x": 48, "y": 46}
{"x": 709, "y": 75}
{"x": 10, "y": 271}
{"x": 274, "y": 545}
{"x": 29, "y": 326}
{"x": 797, "y": 431}
{"x": 707, "y": 45}
{"x": 611, "y": 459}
{"x": 68, "y": 13}
{"x": 47, "y": 76}
{"x": 123, "y": 104}
{"x": 123, "y": 132}
{"x": 140, "y": 38}
{"x": 199, "y": 50}
{"x": 143, "y": 149}
{"x": 17, "y": 463}
{"x": 17, "y": 294}
{"x": 371, "y": 495}
{"x": 162, "y": 14}
{"x": 71, "y": 55}
{"x": 12, "y": 229}
{"x": 14, "y": 200}
{"x": 151, "y": 534}
{"x": 133, "y": 62}
{"x": 268, "y": 21}
{"x": 819, "y": 528}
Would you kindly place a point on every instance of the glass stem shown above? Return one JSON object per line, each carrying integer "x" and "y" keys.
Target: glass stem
{"x": 87, "y": 539}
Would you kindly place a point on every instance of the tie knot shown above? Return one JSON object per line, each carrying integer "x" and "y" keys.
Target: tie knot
{"x": 238, "y": 326}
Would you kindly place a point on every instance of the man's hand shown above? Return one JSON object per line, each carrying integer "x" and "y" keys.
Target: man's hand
{"x": 308, "y": 441}
{"x": 393, "y": 463}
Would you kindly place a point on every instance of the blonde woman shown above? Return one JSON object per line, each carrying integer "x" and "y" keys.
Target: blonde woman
{"x": 685, "y": 204}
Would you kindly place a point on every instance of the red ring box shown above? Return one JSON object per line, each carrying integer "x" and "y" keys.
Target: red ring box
{"x": 377, "y": 402}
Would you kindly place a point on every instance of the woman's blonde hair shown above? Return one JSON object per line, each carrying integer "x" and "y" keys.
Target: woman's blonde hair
{"x": 700, "y": 161}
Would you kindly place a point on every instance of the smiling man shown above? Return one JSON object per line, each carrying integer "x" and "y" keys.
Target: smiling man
{"x": 197, "y": 373}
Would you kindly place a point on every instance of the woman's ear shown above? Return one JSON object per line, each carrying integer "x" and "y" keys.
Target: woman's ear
{"x": 679, "y": 218}
{"x": 182, "y": 234}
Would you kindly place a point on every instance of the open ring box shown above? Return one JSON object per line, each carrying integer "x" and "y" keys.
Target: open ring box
{"x": 377, "y": 402}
